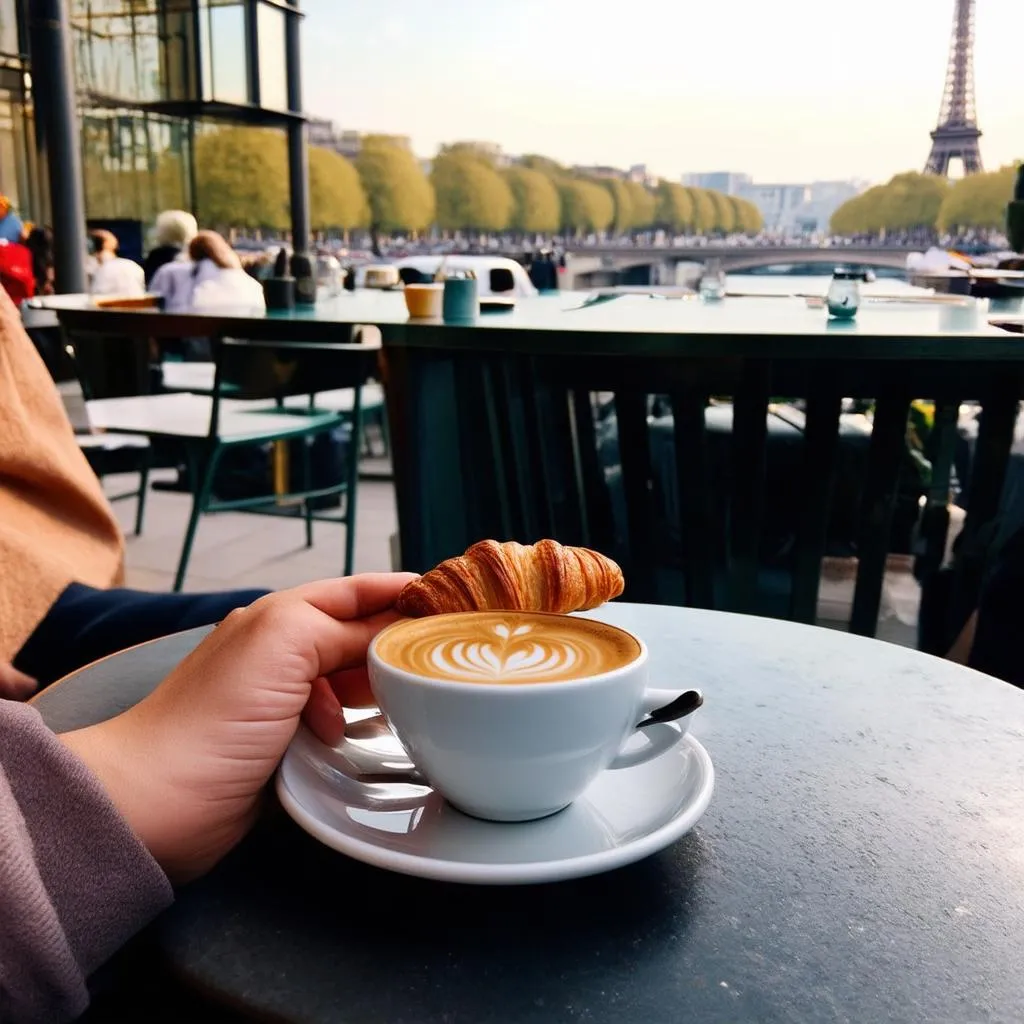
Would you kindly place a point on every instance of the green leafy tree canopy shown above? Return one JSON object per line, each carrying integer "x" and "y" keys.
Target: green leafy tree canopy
{"x": 586, "y": 207}
{"x": 398, "y": 192}
{"x": 471, "y": 194}
{"x": 536, "y": 207}
{"x": 336, "y": 195}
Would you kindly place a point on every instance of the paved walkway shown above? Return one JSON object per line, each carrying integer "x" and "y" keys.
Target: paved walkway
{"x": 233, "y": 549}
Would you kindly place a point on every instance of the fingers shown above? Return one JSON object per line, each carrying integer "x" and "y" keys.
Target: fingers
{"x": 15, "y": 685}
{"x": 323, "y": 714}
{"x": 355, "y": 597}
{"x": 352, "y": 687}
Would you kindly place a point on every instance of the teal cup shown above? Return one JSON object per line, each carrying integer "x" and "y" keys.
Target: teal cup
{"x": 461, "y": 301}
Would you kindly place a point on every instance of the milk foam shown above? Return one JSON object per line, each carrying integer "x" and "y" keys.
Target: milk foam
{"x": 487, "y": 647}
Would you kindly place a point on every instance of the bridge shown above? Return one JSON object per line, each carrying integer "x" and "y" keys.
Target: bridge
{"x": 595, "y": 266}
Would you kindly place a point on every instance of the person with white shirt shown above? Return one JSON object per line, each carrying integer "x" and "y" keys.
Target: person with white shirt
{"x": 112, "y": 274}
{"x": 212, "y": 278}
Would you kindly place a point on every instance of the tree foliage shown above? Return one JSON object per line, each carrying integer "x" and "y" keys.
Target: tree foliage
{"x": 336, "y": 195}
{"x": 624, "y": 219}
{"x": 536, "y": 207}
{"x": 586, "y": 206}
{"x": 673, "y": 209}
{"x": 471, "y": 194}
{"x": 908, "y": 202}
{"x": 241, "y": 178}
{"x": 399, "y": 195}
{"x": 704, "y": 217}
{"x": 978, "y": 201}
{"x": 725, "y": 216}
{"x": 545, "y": 165}
{"x": 749, "y": 218}
{"x": 644, "y": 205}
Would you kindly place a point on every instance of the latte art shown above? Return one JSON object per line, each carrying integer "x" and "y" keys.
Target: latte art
{"x": 506, "y": 647}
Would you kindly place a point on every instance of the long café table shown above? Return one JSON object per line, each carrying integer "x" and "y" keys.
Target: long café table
{"x": 757, "y": 347}
{"x": 861, "y": 860}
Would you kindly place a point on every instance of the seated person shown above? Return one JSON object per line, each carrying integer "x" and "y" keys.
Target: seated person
{"x": 174, "y": 230}
{"x": 212, "y": 277}
{"x": 61, "y": 550}
{"x": 990, "y": 641}
{"x": 96, "y": 825}
{"x": 109, "y": 273}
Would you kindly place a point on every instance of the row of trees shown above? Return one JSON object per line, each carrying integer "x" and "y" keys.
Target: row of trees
{"x": 242, "y": 173}
{"x": 914, "y": 203}
{"x": 241, "y": 178}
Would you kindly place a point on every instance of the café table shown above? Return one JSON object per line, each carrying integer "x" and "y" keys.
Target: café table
{"x": 862, "y": 859}
{"x": 751, "y": 348}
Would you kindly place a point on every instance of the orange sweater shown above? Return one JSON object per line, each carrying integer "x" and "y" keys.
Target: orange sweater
{"x": 56, "y": 526}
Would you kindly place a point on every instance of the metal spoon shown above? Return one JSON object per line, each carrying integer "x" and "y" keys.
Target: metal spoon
{"x": 685, "y": 704}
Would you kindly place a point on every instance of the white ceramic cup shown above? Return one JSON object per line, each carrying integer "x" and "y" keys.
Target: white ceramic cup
{"x": 515, "y": 752}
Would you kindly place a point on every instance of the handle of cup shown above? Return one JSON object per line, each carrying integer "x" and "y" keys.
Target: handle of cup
{"x": 659, "y": 738}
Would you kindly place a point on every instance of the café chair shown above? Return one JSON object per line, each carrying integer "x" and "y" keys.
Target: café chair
{"x": 274, "y": 393}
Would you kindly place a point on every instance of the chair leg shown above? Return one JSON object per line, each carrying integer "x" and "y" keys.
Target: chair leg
{"x": 140, "y": 507}
{"x": 354, "y": 450}
{"x": 307, "y": 486}
{"x": 201, "y": 475}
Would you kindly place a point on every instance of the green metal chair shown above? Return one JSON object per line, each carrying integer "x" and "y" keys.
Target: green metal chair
{"x": 207, "y": 426}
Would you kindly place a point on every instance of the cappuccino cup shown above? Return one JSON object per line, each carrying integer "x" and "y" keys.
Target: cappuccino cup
{"x": 511, "y": 715}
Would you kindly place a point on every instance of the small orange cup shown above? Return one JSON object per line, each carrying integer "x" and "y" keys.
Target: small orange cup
{"x": 424, "y": 300}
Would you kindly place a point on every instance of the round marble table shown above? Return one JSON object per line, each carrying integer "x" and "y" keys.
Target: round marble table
{"x": 862, "y": 860}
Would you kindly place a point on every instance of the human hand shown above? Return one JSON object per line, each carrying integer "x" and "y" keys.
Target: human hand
{"x": 185, "y": 767}
{"x": 15, "y": 685}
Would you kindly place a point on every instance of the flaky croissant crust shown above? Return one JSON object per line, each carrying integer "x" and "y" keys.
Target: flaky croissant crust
{"x": 541, "y": 577}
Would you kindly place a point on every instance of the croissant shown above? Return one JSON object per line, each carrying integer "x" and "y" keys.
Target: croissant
{"x": 541, "y": 577}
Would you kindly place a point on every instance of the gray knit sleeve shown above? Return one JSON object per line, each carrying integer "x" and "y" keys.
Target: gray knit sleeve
{"x": 75, "y": 882}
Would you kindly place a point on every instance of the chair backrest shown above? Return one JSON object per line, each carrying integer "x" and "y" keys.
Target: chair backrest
{"x": 278, "y": 370}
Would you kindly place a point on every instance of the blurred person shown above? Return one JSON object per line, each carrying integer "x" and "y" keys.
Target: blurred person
{"x": 98, "y": 824}
{"x": 990, "y": 639}
{"x": 11, "y": 227}
{"x": 112, "y": 274}
{"x": 61, "y": 549}
{"x": 212, "y": 277}
{"x": 39, "y": 242}
{"x": 174, "y": 230}
{"x": 16, "y": 271}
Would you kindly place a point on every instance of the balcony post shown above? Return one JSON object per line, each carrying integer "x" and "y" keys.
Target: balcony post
{"x": 57, "y": 136}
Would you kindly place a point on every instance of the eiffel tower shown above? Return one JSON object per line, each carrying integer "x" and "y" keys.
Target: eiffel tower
{"x": 957, "y": 133}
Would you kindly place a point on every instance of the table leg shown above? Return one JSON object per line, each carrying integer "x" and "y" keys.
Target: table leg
{"x": 280, "y": 468}
{"x": 885, "y": 456}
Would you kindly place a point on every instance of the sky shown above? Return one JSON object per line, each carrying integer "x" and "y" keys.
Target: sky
{"x": 784, "y": 90}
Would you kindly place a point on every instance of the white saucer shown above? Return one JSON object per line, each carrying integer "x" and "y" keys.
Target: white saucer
{"x": 625, "y": 815}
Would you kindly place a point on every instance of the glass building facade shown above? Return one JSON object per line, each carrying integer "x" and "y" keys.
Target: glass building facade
{"x": 149, "y": 75}
{"x": 19, "y": 175}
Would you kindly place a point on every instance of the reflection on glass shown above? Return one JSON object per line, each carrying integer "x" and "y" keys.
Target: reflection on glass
{"x": 134, "y": 165}
{"x": 273, "y": 76}
{"x": 8, "y": 27}
{"x": 117, "y": 49}
{"x": 223, "y": 40}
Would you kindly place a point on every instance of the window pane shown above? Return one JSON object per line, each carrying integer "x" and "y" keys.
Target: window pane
{"x": 8, "y": 26}
{"x": 117, "y": 49}
{"x": 273, "y": 76}
{"x": 225, "y": 67}
{"x": 134, "y": 165}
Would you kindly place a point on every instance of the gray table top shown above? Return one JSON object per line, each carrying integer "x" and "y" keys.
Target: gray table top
{"x": 780, "y": 326}
{"x": 860, "y": 861}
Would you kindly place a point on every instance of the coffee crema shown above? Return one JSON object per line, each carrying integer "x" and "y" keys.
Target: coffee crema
{"x": 506, "y": 647}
